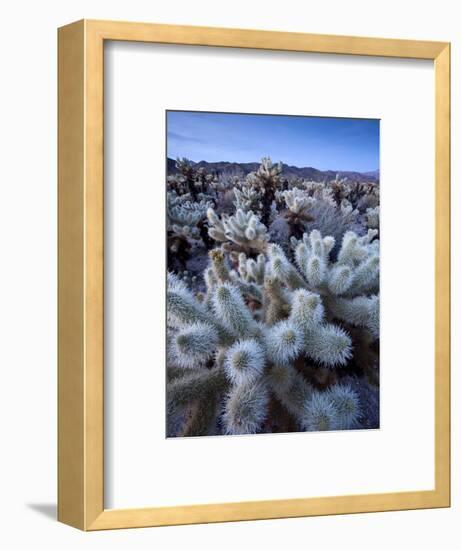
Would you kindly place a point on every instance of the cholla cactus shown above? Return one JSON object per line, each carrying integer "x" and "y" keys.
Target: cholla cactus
{"x": 361, "y": 195}
{"x": 187, "y": 277}
{"x": 314, "y": 207}
{"x": 266, "y": 181}
{"x": 194, "y": 183}
{"x": 320, "y": 191}
{"x": 184, "y": 224}
{"x": 242, "y": 232}
{"x": 268, "y": 347}
{"x": 183, "y": 216}
{"x": 322, "y": 415}
{"x": 350, "y": 284}
{"x": 346, "y": 403}
{"x": 372, "y": 215}
{"x": 248, "y": 197}
{"x": 245, "y": 361}
{"x": 264, "y": 337}
{"x": 268, "y": 173}
{"x": 298, "y": 202}
{"x": 298, "y": 210}
{"x": 245, "y": 408}
{"x": 189, "y": 179}
{"x": 184, "y": 180}
{"x": 250, "y": 270}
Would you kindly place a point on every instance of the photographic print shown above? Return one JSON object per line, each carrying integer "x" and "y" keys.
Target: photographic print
{"x": 272, "y": 245}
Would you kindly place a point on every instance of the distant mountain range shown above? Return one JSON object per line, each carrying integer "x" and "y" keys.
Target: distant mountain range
{"x": 241, "y": 169}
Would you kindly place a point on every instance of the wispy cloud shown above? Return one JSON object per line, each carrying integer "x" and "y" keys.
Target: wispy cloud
{"x": 184, "y": 138}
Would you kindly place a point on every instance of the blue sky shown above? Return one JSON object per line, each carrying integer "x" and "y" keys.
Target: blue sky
{"x": 321, "y": 142}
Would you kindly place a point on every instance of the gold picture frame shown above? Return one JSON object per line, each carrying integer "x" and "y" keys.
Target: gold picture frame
{"x": 81, "y": 269}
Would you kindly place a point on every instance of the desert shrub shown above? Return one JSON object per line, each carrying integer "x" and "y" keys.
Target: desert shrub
{"x": 268, "y": 331}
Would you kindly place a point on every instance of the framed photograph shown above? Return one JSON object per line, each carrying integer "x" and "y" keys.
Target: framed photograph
{"x": 254, "y": 275}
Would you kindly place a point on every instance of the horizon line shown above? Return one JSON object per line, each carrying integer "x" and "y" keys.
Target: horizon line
{"x": 289, "y": 165}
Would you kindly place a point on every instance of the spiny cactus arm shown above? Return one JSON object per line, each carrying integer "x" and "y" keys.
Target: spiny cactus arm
{"x": 357, "y": 268}
{"x": 175, "y": 283}
{"x": 219, "y": 265}
{"x": 183, "y": 391}
{"x": 247, "y": 231}
{"x": 194, "y": 345}
{"x": 183, "y": 309}
{"x": 249, "y": 278}
{"x": 312, "y": 258}
{"x": 249, "y": 290}
{"x": 315, "y": 271}
{"x": 321, "y": 413}
{"x": 340, "y": 279}
{"x": 216, "y": 228}
{"x": 347, "y": 404}
{"x": 246, "y": 407}
{"x": 244, "y": 230}
{"x": 284, "y": 343}
{"x": 183, "y": 216}
{"x": 210, "y": 282}
{"x": 302, "y": 254}
{"x": 247, "y": 197}
{"x": 366, "y": 276}
{"x": 328, "y": 243}
{"x": 238, "y": 223}
{"x": 251, "y": 270}
{"x": 361, "y": 311}
{"x": 333, "y": 409}
{"x": 245, "y": 361}
{"x": 283, "y": 269}
{"x": 232, "y": 311}
{"x": 307, "y": 310}
{"x": 348, "y": 249}
{"x": 277, "y": 301}
{"x": 312, "y": 255}
{"x": 268, "y": 169}
{"x": 352, "y": 251}
{"x": 328, "y": 344}
{"x": 299, "y": 204}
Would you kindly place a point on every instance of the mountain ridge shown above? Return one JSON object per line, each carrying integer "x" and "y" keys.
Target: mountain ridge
{"x": 242, "y": 169}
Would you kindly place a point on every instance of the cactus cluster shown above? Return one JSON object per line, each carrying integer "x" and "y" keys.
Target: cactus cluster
{"x": 268, "y": 335}
{"x": 184, "y": 224}
{"x": 242, "y": 232}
